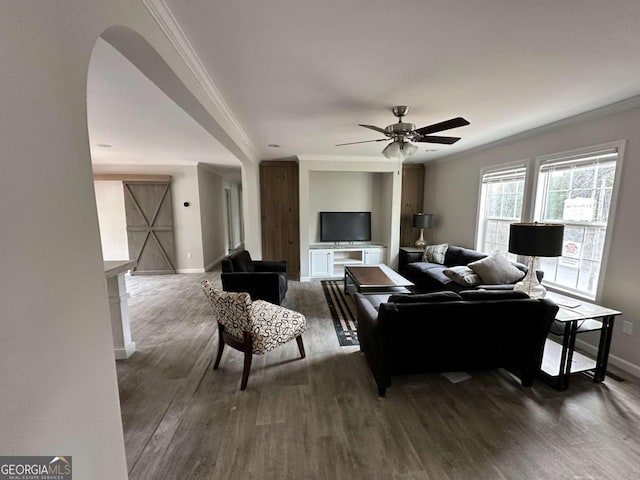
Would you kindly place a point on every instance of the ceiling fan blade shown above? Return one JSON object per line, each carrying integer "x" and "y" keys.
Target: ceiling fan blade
{"x": 365, "y": 141}
{"x": 373, "y": 127}
{"x": 436, "y": 139}
{"x": 446, "y": 125}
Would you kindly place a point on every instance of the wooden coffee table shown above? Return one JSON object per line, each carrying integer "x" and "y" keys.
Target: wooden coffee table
{"x": 374, "y": 279}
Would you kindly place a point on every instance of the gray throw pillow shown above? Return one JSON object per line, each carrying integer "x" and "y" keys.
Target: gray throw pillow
{"x": 496, "y": 269}
{"x": 435, "y": 253}
{"x": 463, "y": 275}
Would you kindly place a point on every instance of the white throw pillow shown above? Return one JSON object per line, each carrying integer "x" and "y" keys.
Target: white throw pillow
{"x": 463, "y": 276}
{"x": 496, "y": 270}
{"x": 435, "y": 253}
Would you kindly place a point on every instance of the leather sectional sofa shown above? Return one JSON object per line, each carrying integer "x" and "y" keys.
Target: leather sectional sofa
{"x": 448, "y": 331}
{"x": 430, "y": 277}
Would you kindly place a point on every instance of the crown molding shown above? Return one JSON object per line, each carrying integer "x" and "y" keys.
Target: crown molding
{"x": 174, "y": 33}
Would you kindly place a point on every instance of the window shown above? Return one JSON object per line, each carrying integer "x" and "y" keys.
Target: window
{"x": 577, "y": 190}
{"x": 501, "y": 198}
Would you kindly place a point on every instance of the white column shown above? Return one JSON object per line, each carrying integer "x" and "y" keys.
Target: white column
{"x": 123, "y": 346}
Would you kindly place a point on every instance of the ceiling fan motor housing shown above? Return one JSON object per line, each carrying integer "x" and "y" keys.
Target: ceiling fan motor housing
{"x": 400, "y": 128}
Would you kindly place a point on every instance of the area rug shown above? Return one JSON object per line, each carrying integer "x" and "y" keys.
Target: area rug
{"x": 343, "y": 312}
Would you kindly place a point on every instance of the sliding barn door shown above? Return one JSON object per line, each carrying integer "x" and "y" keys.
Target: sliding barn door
{"x": 150, "y": 227}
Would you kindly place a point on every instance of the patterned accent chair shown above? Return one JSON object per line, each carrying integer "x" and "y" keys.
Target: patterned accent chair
{"x": 253, "y": 327}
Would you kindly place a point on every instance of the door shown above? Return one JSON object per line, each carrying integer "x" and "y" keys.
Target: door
{"x": 150, "y": 227}
{"x": 412, "y": 201}
{"x": 279, "y": 204}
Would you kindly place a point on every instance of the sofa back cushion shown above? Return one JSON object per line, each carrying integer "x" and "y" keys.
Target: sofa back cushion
{"x": 461, "y": 256}
{"x": 480, "y": 294}
{"x": 238, "y": 262}
{"x": 425, "y": 297}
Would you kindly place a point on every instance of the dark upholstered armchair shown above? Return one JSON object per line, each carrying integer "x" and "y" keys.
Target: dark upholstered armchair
{"x": 261, "y": 279}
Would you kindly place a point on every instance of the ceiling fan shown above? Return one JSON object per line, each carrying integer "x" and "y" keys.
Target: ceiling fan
{"x": 403, "y": 134}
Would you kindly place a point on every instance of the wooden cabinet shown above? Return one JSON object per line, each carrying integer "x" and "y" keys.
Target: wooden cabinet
{"x": 412, "y": 201}
{"x": 279, "y": 213}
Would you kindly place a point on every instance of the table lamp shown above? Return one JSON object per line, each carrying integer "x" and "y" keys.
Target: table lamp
{"x": 422, "y": 221}
{"x": 535, "y": 240}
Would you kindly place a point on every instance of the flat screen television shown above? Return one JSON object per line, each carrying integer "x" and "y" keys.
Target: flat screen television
{"x": 345, "y": 226}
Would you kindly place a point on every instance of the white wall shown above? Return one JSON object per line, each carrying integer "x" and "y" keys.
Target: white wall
{"x": 57, "y": 371}
{"x": 451, "y": 192}
{"x": 212, "y": 216}
{"x": 236, "y": 215}
{"x": 187, "y": 229}
{"x": 112, "y": 219}
{"x": 338, "y": 192}
{"x": 331, "y": 174}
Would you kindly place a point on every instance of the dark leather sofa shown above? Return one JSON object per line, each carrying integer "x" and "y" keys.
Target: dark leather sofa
{"x": 429, "y": 277}
{"x": 448, "y": 331}
{"x": 261, "y": 279}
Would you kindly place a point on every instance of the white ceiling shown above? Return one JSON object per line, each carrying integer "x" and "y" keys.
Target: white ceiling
{"x": 140, "y": 123}
{"x": 303, "y": 74}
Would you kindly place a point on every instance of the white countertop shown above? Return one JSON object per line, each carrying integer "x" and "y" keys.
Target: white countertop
{"x": 114, "y": 267}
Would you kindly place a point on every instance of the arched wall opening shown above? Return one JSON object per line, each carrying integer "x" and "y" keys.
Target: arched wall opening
{"x": 146, "y": 59}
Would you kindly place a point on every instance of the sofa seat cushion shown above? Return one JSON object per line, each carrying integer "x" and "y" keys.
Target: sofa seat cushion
{"x": 274, "y": 325}
{"x": 424, "y": 266}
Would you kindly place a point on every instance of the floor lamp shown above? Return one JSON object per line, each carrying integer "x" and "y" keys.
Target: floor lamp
{"x": 422, "y": 221}
{"x": 535, "y": 240}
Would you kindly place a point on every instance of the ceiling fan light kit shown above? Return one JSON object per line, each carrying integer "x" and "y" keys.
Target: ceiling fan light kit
{"x": 398, "y": 149}
{"x": 402, "y": 134}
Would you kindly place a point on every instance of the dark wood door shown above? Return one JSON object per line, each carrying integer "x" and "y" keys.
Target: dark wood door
{"x": 279, "y": 205}
{"x": 150, "y": 227}
{"x": 412, "y": 201}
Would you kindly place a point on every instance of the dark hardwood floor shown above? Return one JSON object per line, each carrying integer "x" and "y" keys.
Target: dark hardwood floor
{"x": 321, "y": 418}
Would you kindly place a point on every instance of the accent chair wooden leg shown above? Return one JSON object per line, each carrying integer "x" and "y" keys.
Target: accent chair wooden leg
{"x": 248, "y": 356}
{"x": 220, "y": 346}
{"x": 300, "y": 346}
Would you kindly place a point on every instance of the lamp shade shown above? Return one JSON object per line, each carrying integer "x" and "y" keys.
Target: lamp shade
{"x": 536, "y": 239}
{"x": 422, "y": 220}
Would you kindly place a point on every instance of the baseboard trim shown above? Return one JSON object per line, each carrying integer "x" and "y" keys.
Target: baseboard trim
{"x": 614, "y": 360}
{"x": 126, "y": 352}
{"x": 190, "y": 270}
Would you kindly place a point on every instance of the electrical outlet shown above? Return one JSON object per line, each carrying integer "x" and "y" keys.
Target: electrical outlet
{"x": 189, "y": 255}
{"x": 627, "y": 327}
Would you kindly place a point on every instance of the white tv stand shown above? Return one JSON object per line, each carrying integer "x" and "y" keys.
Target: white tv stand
{"x": 328, "y": 260}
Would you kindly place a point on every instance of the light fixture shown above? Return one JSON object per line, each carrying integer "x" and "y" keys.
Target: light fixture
{"x": 535, "y": 240}
{"x": 422, "y": 221}
{"x": 399, "y": 149}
